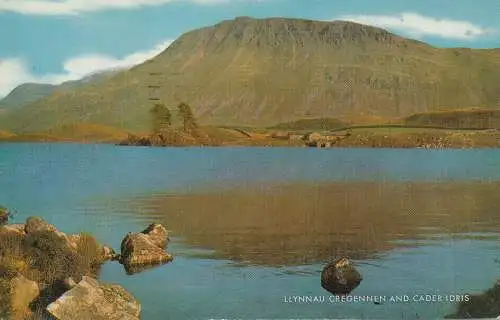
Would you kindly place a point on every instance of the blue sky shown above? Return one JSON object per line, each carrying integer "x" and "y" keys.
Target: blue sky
{"x": 54, "y": 41}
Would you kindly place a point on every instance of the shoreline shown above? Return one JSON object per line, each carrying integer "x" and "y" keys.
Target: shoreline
{"x": 380, "y": 137}
{"x": 270, "y": 146}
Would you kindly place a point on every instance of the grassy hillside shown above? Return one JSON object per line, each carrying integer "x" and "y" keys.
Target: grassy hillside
{"x": 259, "y": 72}
{"x": 30, "y": 92}
{"x": 5, "y": 134}
{"x": 88, "y": 132}
{"x": 311, "y": 124}
{"x": 462, "y": 119}
{"x": 24, "y": 94}
{"x": 76, "y": 132}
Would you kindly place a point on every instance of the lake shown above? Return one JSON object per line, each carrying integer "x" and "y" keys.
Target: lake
{"x": 253, "y": 227}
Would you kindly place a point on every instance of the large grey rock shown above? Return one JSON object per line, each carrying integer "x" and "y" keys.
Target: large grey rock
{"x": 89, "y": 300}
{"x": 340, "y": 277}
{"x": 139, "y": 249}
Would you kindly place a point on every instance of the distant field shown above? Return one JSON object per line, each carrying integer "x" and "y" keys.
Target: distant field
{"x": 88, "y": 132}
{"x": 457, "y": 119}
{"x": 471, "y": 119}
{"x": 311, "y": 124}
{"x": 402, "y": 129}
{"x": 80, "y": 132}
{"x": 455, "y": 125}
{"x": 5, "y": 134}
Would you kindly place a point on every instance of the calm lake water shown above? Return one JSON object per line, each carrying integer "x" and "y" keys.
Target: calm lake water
{"x": 253, "y": 226}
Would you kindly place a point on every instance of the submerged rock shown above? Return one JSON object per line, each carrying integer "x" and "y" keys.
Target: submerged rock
{"x": 340, "y": 277}
{"x": 91, "y": 300}
{"x": 139, "y": 249}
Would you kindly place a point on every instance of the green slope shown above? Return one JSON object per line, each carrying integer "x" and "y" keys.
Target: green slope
{"x": 24, "y": 94}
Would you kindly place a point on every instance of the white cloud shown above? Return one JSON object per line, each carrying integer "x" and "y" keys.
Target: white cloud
{"x": 14, "y": 71}
{"x": 73, "y": 7}
{"x": 416, "y": 25}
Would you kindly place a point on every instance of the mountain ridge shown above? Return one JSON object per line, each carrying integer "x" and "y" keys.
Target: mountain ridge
{"x": 30, "y": 92}
{"x": 261, "y": 72}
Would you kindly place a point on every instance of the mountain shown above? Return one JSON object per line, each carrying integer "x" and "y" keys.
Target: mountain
{"x": 27, "y": 93}
{"x": 260, "y": 72}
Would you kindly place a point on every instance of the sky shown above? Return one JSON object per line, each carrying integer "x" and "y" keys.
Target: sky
{"x": 51, "y": 41}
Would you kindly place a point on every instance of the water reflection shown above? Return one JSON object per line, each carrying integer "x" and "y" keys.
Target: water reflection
{"x": 299, "y": 224}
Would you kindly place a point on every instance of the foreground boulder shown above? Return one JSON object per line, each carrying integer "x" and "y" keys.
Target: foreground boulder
{"x": 340, "y": 277}
{"x": 16, "y": 295}
{"x": 91, "y": 300}
{"x": 23, "y": 292}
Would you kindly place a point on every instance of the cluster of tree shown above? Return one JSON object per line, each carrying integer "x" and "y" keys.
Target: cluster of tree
{"x": 162, "y": 119}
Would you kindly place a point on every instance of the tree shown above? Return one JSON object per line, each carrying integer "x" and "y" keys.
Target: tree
{"x": 187, "y": 117}
{"x": 161, "y": 118}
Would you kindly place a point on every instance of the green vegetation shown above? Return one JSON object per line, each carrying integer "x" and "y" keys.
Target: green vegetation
{"x": 42, "y": 254}
{"x": 486, "y": 305}
{"x": 44, "y": 257}
{"x": 317, "y": 124}
{"x": 71, "y": 132}
{"x": 161, "y": 118}
{"x": 459, "y": 119}
{"x": 164, "y": 135}
{"x": 259, "y": 72}
{"x": 187, "y": 116}
{"x": 27, "y": 93}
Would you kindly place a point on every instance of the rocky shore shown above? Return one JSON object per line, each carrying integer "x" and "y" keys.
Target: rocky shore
{"x": 399, "y": 138}
{"x": 47, "y": 273}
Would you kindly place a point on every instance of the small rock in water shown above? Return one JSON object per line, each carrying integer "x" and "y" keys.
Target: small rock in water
{"x": 340, "y": 277}
{"x": 142, "y": 250}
